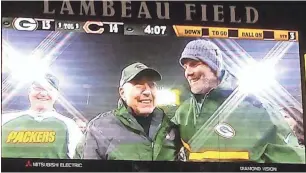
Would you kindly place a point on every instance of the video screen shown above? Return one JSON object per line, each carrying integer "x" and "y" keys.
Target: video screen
{"x": 116, "y": 91}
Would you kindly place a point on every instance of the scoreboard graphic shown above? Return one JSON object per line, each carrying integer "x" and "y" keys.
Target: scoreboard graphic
{"x": 100, "y": 27}
{"x": 215, "y": 32}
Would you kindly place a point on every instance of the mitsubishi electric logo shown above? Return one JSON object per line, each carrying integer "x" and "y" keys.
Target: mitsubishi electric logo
{"x": 28, "y": 164}
{"x": 43, "y": 164}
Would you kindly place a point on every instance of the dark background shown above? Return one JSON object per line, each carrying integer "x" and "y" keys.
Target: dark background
{"x": 274, "y": 15}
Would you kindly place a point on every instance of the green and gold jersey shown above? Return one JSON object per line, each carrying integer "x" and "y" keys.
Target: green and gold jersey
{"x": 32, "y": 135}
{"x": 238, "y": 132}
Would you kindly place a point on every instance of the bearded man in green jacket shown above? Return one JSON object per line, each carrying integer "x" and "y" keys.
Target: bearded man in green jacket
{"x": 215, "y": 127}
{"x": 137, "y": 129}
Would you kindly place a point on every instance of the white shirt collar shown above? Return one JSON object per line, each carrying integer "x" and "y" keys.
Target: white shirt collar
{"x": 41, "y": 115}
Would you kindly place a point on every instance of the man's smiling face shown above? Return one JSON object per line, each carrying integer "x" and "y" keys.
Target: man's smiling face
{"x": 140, "y": 94}
{"x": 200, "y": 76}
{"x": 42, "y": 96}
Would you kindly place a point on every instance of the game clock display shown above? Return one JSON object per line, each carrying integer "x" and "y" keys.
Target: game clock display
{"x": 155, "y": 30}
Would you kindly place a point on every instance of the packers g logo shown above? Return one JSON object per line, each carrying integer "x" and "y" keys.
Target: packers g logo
{"x": 31, "y": 137}
{"x": 225, "y": 130}
{"x": 25, "y": 24}
{"x": 140, "y": 66}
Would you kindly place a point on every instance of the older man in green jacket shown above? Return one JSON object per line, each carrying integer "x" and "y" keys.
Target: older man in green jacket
{"x": 212, "y": 128}
{"x": 137, "y": 129}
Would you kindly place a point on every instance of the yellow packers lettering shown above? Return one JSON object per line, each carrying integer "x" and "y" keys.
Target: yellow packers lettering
{"x": 31, "y": 137}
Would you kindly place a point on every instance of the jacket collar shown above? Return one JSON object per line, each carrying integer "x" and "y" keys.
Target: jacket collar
{"x": 41, "y": 115}
{"x": 218, "y": 94}
{"x": 125, "y": 115}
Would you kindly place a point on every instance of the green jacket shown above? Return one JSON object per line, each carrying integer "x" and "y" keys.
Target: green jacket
{"x": 116, "y": 135}
{"x": 245, "y": 134}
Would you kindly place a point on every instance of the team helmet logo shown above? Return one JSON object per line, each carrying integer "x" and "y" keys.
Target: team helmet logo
{"x": 225, "y": 130}
{"x": 25, "y": 24}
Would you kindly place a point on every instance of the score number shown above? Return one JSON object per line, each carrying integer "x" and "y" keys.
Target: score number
{"x": 155, "y": 30}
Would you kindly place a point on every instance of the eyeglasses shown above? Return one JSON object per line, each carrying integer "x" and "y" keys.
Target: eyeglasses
{"x": 41, "y": 88}
{"x": 37, "y": 88}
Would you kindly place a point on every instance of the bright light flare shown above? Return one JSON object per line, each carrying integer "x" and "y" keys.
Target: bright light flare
{"x": 27, "y": 68}
{"x": 166, "y": 97}
{"x": 256, "y": 77}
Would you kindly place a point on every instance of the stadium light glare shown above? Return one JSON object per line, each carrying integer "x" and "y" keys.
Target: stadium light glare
{"x": 27, "y": 68}
{"x": 256, "y": 77}
{"x": 166, "y": 97}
